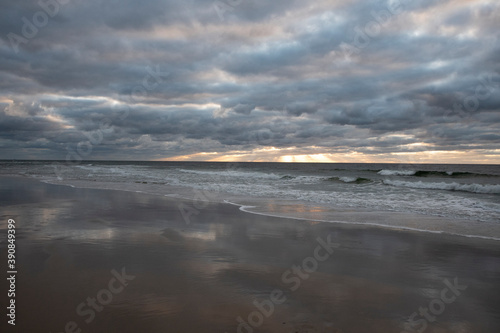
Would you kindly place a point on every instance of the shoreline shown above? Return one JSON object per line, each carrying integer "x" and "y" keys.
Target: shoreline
{"x": 244, "y": 208}
{"x": 392, "y": 220}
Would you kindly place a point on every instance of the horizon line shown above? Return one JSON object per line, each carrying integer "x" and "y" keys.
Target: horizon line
{"x": 157, "y": 161}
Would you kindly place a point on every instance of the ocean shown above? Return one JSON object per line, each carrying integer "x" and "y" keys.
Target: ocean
{"x": 457, "y": 199}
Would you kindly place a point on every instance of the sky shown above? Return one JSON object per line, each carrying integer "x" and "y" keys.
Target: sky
{"x": 251, "y": 80}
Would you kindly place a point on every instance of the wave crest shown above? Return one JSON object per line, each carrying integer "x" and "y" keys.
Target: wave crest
{"x": 396, "y": 172}
{"x": 356, "y": 180}
{"x": 473, "y": 188}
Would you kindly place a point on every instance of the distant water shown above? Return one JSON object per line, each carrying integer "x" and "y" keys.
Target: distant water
{"x": 466, "y": 192}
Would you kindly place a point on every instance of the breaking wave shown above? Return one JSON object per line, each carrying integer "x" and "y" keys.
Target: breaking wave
{"x": 473, "y": 188}
{"x": 425, "y": 173}
{"x": 356, "y": 180}
{"x": 397, "y": 172}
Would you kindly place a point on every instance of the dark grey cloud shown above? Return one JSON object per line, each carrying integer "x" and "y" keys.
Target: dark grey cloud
{"x": 164, "y": 78}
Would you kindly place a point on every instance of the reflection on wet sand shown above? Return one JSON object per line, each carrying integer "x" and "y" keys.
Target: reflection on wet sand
{"x": 204, "y": 275}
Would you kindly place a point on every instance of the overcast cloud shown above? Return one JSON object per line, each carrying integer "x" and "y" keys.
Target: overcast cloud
{"x": 250, "y": 79}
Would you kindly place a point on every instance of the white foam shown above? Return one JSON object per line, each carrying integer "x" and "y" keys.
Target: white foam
{"x": 245, "y": 208}
{"x": 474, "y": 188}
{"x": 233, "y": 173}
{"x": 348, "y": 179}
{"x": 396, "y": 172}
{"x": 307, "y": 179}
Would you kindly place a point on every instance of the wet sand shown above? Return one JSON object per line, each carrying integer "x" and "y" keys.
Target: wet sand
{"x": 116, "y": 261}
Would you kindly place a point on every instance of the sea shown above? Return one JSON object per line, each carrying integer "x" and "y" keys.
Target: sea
{"x": 456, "y": 199}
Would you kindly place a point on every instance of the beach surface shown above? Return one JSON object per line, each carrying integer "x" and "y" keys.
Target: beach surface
{"x": 94, "y": 260}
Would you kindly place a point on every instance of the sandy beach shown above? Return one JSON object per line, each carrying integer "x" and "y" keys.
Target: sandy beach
{"x": 93, "y": 260}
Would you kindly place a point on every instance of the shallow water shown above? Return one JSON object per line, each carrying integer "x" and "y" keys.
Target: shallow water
{"x": 455, "y": 199}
